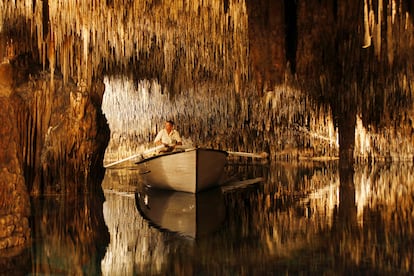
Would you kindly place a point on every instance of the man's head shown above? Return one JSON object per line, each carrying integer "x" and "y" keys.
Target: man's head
{"x": 169, "y": 125}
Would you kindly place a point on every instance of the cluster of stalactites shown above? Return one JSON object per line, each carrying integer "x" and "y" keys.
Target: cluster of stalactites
{"x": 82, "y": 34}
{"x": 283, "y": 122}
{"x": 374, "y": 11}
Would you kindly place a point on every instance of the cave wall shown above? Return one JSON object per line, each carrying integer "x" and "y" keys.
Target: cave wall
{"x": 14, "y": 196}
{"x": 53, "y": 138}
{"x": 63, "y": 134}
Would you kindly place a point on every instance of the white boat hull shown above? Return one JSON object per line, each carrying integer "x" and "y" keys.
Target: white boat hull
{"x": 192, "y": 170}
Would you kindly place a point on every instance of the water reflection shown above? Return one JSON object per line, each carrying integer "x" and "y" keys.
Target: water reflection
{"x": 69, "y": 234}
{"x": 303, "y": 218}
{"x": 308, "y": 217}
{"x": 190, "y": 215}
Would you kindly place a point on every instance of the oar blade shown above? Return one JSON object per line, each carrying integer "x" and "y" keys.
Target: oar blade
{"x": 135, "y": 156}
{"x": 262, "y": 155}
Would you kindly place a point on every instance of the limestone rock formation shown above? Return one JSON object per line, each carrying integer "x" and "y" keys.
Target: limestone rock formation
{"x": 53, "y": 138}
{"x": 66, "y": 133}
{"x": 14, "y": 196}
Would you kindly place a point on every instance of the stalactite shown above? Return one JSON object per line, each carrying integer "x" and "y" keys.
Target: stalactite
{"x": 199, "y": 29}
{"x": 254, "y": 120}
{"x": 185, "y": 43}
{"x": 378, "y": 27}
{"x": 367, "y": 33}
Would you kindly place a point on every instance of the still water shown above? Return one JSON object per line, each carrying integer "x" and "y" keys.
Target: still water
{"x": 292, "y": 218}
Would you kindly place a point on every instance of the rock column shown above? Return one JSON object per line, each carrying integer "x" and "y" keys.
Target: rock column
{"x": 14, "y": 197}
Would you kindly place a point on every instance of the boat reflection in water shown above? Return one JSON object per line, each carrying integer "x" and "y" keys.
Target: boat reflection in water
{"x": 188, "y": 214}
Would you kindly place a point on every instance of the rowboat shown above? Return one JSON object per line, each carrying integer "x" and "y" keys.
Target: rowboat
{"x": 189, "y": 215}
{"x": 191, "y": 170}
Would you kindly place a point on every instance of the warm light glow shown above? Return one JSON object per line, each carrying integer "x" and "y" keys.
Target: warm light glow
{"x": 83, "y": 34}
{"x": 129, "y": 109}
{"x": 376, "y": 144}
{"x": 281, "y": 224}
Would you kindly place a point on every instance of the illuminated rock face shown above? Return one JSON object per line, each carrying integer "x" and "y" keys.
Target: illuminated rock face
{"x": 53, "y": 139}
{"x": 14, "y": 197}
{"x": 66, "y": 135}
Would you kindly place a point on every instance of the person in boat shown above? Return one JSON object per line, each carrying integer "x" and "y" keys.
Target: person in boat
{"x": 168, "y": 136}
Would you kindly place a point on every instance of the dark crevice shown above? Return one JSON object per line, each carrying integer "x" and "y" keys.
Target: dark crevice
{"x": 45, "y": 18}
{"x": 291, "y": 33}
{"x": 226, "y": 6}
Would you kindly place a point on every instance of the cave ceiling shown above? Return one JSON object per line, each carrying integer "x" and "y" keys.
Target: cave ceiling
{"x": 188, "y": 40}
{"x": 341, "y": 51}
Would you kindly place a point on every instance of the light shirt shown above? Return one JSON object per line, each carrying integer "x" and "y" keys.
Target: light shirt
{"x": 165, "y": 138}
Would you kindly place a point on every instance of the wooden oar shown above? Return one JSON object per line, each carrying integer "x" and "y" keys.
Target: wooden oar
{"x": 248, "y": 154}
{"x": 135, "y": 155}
{"x": 240, "y": 184}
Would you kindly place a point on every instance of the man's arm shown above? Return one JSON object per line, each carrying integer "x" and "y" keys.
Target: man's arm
{"x": 177, "y": 138}
{"x": 158, "y": 140}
